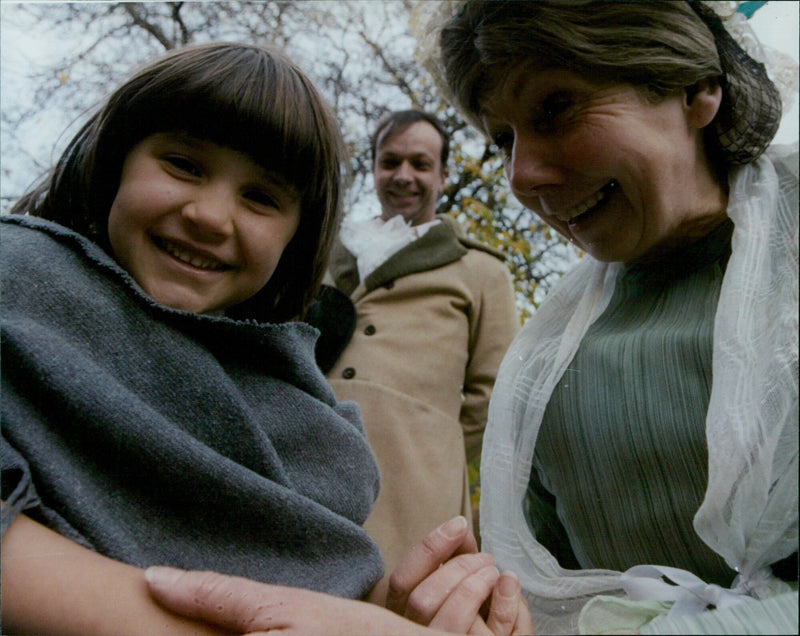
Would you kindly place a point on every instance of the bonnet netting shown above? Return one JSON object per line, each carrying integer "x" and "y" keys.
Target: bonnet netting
{"x": 749, "y": 515}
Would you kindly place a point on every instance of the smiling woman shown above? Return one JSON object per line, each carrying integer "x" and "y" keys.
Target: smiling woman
{"x": 623, "y": 176}
{"x": 647, "y": 413}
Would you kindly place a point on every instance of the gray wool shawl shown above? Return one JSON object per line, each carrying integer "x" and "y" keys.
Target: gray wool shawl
{"x": 155, "y": 436}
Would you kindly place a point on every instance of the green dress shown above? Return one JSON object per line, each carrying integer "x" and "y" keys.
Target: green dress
{"x": 622, "y": 452}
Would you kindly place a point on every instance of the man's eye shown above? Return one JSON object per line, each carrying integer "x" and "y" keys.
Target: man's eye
{"x": 183, "y": 164}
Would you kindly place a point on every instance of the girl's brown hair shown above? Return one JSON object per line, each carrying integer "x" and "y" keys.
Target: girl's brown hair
{"x": 247, "y": 98}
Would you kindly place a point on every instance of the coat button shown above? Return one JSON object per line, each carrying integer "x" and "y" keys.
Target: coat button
{"x": 369, "y": 330}
{"x": 349, "y": 373}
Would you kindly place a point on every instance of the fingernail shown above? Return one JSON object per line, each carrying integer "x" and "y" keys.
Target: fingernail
{"x": 508, "y": 585}
{"x": 490, "y": 573}
{"x": 454, "y": 528}
{"x": 160, "y": 575}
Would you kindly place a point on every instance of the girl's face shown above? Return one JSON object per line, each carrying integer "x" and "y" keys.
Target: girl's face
{"x": 622, "y": 177}
{"x": 200, "y": 227}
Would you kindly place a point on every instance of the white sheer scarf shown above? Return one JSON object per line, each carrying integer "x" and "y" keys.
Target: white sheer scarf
{"x": 750, "y": 512}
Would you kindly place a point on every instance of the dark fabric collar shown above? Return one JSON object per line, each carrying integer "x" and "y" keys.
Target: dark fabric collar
{"x": 713, "y": 247}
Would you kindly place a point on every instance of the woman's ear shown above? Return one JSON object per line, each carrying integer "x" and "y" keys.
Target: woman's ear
{"x": 702, "y": 102}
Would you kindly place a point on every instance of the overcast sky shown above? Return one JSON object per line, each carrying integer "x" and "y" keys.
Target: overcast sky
{"x": 776, "y": 25}
{"x": 21, "y": 51}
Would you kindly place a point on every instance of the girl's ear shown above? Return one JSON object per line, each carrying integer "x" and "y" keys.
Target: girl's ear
{"x": 702, "y": 102}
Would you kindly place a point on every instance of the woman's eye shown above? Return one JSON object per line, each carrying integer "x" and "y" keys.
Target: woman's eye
{"x": 552, "y": 109}
{"x": 183, "y": 164}
{"x": 503, "y": 142}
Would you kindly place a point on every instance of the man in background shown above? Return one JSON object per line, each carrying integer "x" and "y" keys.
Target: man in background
{"x": 435, "y": 312}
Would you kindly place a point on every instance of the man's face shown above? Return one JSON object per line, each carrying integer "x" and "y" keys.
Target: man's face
{"x": 408, "y": 173}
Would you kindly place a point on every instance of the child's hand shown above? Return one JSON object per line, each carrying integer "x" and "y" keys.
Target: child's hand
{"x": 444, "y": 583}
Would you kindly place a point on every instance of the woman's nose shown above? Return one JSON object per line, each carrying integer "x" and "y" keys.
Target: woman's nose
{"x": 531, "y": 165}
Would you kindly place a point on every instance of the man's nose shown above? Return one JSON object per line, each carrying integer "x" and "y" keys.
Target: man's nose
{"x": 403, "y": 173}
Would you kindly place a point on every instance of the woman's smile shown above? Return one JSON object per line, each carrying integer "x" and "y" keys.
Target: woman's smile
{"x": 620, "y": 174}
{"x": 591, "y": 204}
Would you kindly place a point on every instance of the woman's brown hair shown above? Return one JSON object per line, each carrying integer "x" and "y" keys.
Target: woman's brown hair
{"x": 659, "y": 46}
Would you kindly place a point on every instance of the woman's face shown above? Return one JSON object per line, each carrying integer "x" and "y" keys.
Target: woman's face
{"x": 622, "y": 177}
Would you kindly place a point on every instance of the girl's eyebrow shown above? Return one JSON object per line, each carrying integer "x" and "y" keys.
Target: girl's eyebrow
{"x": 277, "y": 180}
{"x": 180, "y": 137}
{"x": 272, "y": 177}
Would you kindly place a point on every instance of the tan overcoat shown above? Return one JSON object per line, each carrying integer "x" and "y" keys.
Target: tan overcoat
{"x": 433, "y": 324}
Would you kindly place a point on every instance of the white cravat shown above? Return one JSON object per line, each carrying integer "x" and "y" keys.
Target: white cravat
{"x": 372, "y": 241}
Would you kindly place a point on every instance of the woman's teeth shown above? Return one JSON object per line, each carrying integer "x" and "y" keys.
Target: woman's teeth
{"x": 598, "y": 197}
{"x": 191, "y": 258}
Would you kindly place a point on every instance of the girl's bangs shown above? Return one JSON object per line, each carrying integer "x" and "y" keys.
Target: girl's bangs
{"x": 258, "y": 105}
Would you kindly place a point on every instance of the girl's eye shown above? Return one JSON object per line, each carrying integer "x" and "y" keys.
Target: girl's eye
{"x": 183, "y": 164}
{"x": 261, "y": 198}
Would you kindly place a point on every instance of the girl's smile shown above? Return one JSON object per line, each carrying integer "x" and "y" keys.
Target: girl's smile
{"x": 199, "y": 226}
{"x": 190, "y": 256}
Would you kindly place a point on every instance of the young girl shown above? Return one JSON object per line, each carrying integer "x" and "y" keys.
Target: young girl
{"x": 158, "y": 407}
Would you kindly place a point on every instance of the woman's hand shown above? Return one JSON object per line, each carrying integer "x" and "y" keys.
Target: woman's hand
{"x": 443, "y": 583}
{"x": 447, "y": 584}
{"x": 243, "y": 606}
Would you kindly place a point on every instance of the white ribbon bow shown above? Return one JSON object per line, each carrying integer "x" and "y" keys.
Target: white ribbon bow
{"x": 689, "y": 593}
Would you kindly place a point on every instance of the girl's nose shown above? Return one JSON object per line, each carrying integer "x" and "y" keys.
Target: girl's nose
{"x": 211, "y": 213}
{"x": 531, "y": 165}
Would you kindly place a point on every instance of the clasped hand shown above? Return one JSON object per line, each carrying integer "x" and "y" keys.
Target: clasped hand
{"x": 444, "y": 583}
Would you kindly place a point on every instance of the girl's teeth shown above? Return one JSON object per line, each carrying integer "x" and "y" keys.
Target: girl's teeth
{"x": 191, "y": 259}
